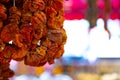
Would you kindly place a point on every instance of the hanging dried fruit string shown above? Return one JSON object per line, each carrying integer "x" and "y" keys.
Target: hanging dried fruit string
{"x": 7, "y": 34}
{"x": 55, "y": 32}
{"x": 3, "y": 15}
{"x": 36, "y": 55}
{"x": 32, "y": 31}
{"x": 5, "y": 71}
{"x": 92, "y": 12}
{"x": 107, "y": 10}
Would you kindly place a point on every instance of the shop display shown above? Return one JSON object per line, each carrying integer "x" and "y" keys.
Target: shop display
{"x": 30, "y": 30}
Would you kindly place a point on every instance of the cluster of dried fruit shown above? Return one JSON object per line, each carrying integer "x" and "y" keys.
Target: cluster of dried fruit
{"x": 31, "y": 30}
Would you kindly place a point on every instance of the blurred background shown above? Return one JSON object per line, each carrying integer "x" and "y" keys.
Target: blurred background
{"x": 92, "y": 51}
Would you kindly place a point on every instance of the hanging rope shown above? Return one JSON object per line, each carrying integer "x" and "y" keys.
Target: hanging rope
{"x": 91, "y": 14}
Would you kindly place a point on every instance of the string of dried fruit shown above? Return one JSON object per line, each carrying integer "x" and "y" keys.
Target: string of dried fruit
{"x": 3, "y": 15}
{"x": 56, "y": 33}
{"x": 8, "y": 33}
{"x": 35, "y": 30}
{"x": 5, "y": 72}
{"x": 34, "y": 19}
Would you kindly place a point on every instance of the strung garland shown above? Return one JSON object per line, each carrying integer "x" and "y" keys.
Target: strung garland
{"x": 30, "y": 30}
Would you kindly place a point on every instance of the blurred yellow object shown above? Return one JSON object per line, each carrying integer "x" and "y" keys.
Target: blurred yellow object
{"x": 58, "y": 70}
{"x": 39, "y": 70}
{"x": 88, "y": 76}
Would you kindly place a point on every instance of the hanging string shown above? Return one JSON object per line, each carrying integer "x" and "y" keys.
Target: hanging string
{"x": 91, "y": 14}
{"x": 13, "y": 2}
{"x": 106, "y": 13}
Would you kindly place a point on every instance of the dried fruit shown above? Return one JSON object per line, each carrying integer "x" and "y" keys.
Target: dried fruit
{"x": 30, "y": 30}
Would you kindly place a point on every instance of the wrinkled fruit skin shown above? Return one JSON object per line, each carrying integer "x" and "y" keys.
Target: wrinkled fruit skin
{"x": 31, "y": 30}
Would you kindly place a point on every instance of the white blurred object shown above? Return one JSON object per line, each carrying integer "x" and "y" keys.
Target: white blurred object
{"x": 13, "y": 65}
{"x": 98, "y": 41}
{"x": 24, "y": 77}
{"x": 112, "y": 76}
{"x": 114, "y": 42}
{"x": 46, "y": 76}
{"x": 114, "y": 27}
{"x": 62, "y": 77}
{"x": 77, "y": 37}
